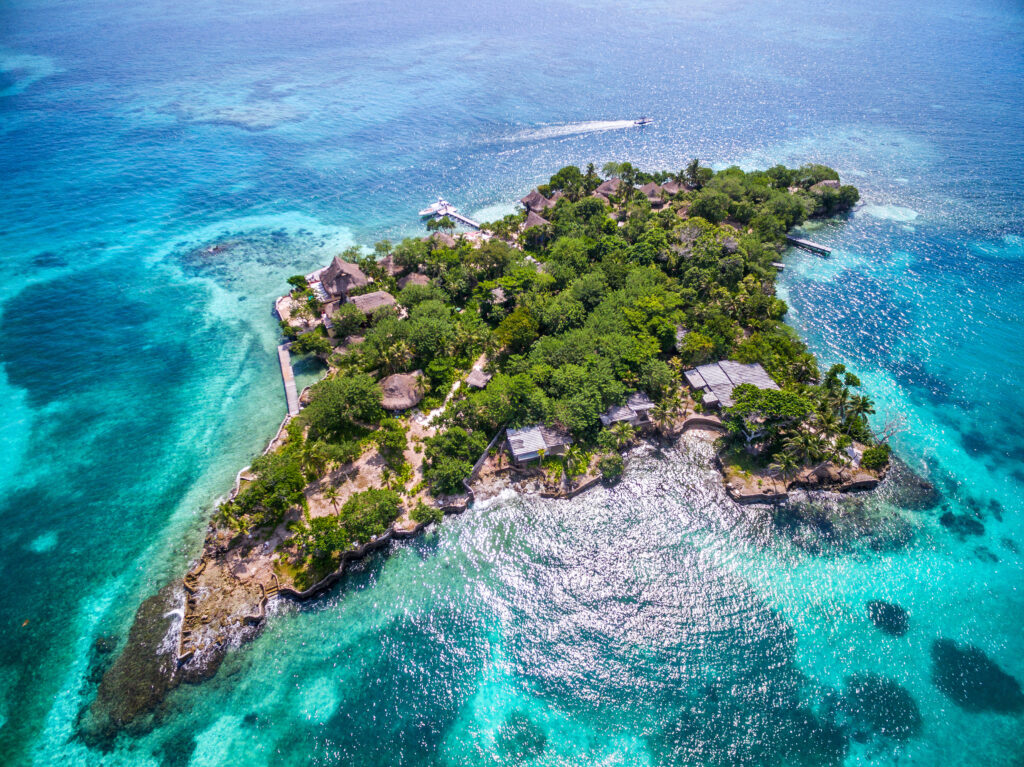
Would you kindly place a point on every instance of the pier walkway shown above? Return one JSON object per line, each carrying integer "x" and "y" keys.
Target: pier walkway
{"x": 291, "y": 394}
{"x": 813, "y": 247}
{"x": 453, "y": 213}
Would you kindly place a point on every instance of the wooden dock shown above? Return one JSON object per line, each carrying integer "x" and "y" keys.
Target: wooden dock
{"x": 453, "y": 213}
{"x": 290, "y": 392}
{"x": 813, "y": 247}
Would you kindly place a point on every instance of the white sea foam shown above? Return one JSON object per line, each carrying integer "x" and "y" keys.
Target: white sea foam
{"x": 571, "y": 129}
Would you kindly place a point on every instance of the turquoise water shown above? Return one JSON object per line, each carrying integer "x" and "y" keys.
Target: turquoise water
{"x": 652, "y": 624}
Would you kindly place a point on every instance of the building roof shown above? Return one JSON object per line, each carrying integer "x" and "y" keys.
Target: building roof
{"x": 636, "y": 403}
{"x": 341, "y": 277}
{"x": 651, "y": 190}
{"x": 639, "y": 401}
{"x": 532, "y": 220}
{"x": 478, "y": 379}
{"x": 554, "y": 437}
{"x": 672, "y": 187}
{"x": 402, "y": 391}
{"x": 535, "y": 201}
{"x": 616, "y": 414}
{"x": 498, "y": 295}
{"x": 830, "y": 182}
{"x": 416, "y": 278}
{"x": 442, "y": 238}
{"x": 390, "y": 266}
{"x": 609, "y": 187}
{"x": 526, "y": 443}
{"x": 368, "y": 303}
{"x": 718, "y": 379}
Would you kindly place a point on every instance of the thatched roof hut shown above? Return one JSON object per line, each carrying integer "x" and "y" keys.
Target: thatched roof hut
{"x": 390, "y": 266}
{"x": 442, "y": 239}
{"x": 341, "y": 277}
{"x": 653, "y": 193}
{"x": 368, "y": 303}
{"x": 535, "y": 201}
{"x": 672, "y": 187}
{"x": 478, "y": 379}
{"x": 609, "y": 187}
{"x": 402, "y": 390}
{"x": 533, "y": 220}
{"x": 416, "y": 278}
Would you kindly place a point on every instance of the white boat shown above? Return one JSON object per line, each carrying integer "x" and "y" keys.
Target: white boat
{"x": 643, "y": 121}
{"x": 437, "y": 207}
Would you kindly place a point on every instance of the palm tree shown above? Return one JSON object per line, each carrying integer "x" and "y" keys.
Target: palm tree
{"x": 331, "y": 495}
{"x": 576, "y": 462}
{"x": 396, "y": 356}
{"x": 828, "y": 422}
{"x": 315, "y": 457}
{"x": 859, "y": 406}
{"x": 662, "y": 418}
{"x": 805, "y": 446}
{"x": 787, "y": 466}
{"x": 622, "y": 434}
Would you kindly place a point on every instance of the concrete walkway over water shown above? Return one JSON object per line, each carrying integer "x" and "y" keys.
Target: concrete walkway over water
{"x": 290, "y": 392}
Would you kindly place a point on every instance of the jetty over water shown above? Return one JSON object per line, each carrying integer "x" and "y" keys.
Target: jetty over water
{"x": 291, "y": 394}
{"x": 453, "y": 213}
{"x": 813, "y": 247}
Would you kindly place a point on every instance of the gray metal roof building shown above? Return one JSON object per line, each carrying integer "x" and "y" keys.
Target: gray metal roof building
{"x": 526, "y": 443}
{"x": 718, "y": 379}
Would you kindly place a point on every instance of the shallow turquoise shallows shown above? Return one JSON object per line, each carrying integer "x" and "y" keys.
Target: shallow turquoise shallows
{"x": 655, "y": 623}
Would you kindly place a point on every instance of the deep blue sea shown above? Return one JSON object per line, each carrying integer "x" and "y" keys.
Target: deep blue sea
{"x": 655, "y": 623}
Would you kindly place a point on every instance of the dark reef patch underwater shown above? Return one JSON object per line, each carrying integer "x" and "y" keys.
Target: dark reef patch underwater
{"x": 890, "y": 618}
{"x": 974, "y": 681}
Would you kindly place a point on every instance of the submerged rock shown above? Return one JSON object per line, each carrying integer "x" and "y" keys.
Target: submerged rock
{"x": 961, "y": 524}
{"x": 876, "y": 706}
{"x": 972, "y": 680}
{"x": 890, "y": 618}
{"x": 140, "y": 677}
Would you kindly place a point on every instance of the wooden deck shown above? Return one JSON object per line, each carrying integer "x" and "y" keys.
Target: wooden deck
{"x": 290, "y": 392}
{"x": 807, "y": 245}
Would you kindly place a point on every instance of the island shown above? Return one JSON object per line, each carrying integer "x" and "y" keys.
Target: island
{"x": 614, "y": 307}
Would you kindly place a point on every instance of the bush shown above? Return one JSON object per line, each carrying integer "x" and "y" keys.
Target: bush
{"x": 875, "y": 457}
{"x": 424, "y": 513}
{"x": 313, "y": 342}
{"x": 449, "y": 458}
{"x": 347, "y": 320}
{"x": 611, "y": 467}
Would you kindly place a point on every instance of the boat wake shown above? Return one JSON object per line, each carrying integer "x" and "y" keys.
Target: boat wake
{"x": 572, "y": 129}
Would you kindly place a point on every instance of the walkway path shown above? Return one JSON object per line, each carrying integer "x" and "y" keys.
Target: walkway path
{"x": 292, "y": 395}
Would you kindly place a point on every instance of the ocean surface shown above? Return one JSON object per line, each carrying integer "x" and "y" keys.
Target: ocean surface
{"x": 654, "y": 623}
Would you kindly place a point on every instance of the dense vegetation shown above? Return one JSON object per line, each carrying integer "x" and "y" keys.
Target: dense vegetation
{"x": 606, "y": 297}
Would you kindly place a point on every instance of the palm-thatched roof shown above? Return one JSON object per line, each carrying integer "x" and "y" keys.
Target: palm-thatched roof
{"x": 368, "y": 303}
{"x": 609, "y": 187}
{"x": 416, "y": 278}
{"x": 402, "y": 390}
{"x": 672, "y": 187}
{"x": 341, "y": 277}
{"x": 478, "y": 379}
{"x": 390, "y": 266}
{"x": 533, "y": 220}
{"x": 442, "y": 238}
{"x": 535, "y": 201}
{"x": 653, "y": 193}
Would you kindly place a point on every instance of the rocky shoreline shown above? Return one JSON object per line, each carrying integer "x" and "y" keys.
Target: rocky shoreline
{"x": 182, "y": 633}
